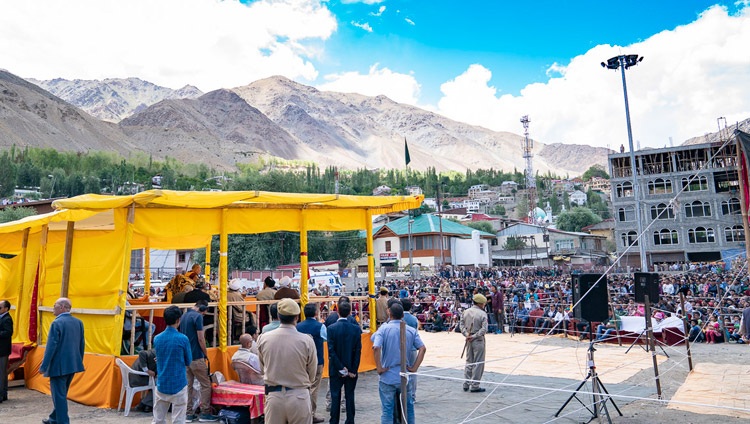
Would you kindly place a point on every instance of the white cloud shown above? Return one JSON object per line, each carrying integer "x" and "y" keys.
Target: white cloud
{"x": 362, "y": 1}
{"x": 690, "y": 76}
{"x": 402, "y": 88}
{"x": 207, "y": 43}
{"x": 364, "y": 25}
{"x": 409, "y": 21}
{"x": 380, "y": 11}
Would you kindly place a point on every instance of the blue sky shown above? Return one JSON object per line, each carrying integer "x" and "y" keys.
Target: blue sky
{"x": 517, "y": 40}
{"x": 482, "y": 62}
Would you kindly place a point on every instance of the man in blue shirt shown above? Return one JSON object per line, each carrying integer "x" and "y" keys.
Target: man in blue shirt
{"x": 172, "y": 359}
{"x": 191, "y": 325}
{"x": 386, "y": 346}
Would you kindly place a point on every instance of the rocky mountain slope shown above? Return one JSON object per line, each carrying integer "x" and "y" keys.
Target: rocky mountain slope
{"x": 31, "y": 116}
{"x": 113, "y": 99}
{"x": 370, "y": 131}
{"x": 218, "y": 128}
{"x": 274, "y": 117}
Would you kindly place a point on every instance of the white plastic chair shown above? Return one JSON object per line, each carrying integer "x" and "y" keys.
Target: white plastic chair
{"x": 126, "y": 371}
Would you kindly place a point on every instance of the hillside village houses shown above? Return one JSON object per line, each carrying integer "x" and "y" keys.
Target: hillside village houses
{"x": 598, "y": 184}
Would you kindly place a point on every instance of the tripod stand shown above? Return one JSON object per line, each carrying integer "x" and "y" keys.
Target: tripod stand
{"x": 646, "y": 347}
{"x": 599, "y": 393}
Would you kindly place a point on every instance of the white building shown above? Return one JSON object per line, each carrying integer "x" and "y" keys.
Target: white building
{"x": 578, "y": 197}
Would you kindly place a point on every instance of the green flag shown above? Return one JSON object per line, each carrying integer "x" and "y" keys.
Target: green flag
{"x": 406, "y": 152}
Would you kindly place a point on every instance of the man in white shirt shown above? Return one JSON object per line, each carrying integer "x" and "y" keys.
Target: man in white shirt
{"x": 248, "y": 352}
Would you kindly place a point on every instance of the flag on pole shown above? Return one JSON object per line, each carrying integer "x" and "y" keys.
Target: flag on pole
{"x": 406, "y": 152}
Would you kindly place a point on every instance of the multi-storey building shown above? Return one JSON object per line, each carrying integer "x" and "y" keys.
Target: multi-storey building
{"x": 689, "y": 203}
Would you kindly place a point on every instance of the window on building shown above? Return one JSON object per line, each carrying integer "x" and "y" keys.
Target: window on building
{"x": 662, "y": 211}
{"x": 695, "y": 183}
{"x": 626, "y": 214}
{"x": 565, "y": 244}
{"x": 659, "y": 186}
{"x": 697, "y": 209}
{"x": 423, "y": 242}
{"x": 181, "y": 257}
{"x": 665, "y": 236}
{"x": 625, "y": 189}
{"x": 387, "y": 246}
{"x": 731, "y": 207}
{"x": 734, "y": 234}
{"x": 701, "y": 235}
{"x": 629, "y": 239}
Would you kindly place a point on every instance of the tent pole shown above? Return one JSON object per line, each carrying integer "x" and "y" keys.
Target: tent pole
{"x": 42, "y": 279}
{"x": 147, "y": 269}
{"x": 370, "y": 272}
{"x": 207, "y": 268}
{"x": 223, "y": 247}
{"x": 304, "y": 273}
{"x": 22, "y": 271}
{"x": 742, "y": 155}
{"x": 66, "y": 259}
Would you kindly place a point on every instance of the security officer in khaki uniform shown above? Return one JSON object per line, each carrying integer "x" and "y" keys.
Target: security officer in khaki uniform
{"x": 474, "y": 327}
{"x": 289, "y": 362}
{"x": 381, "y": 306}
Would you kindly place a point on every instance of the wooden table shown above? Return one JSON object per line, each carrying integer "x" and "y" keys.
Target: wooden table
{"x": 234, "y": 393}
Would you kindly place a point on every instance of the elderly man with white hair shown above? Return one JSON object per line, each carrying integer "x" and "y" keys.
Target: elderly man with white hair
{"x": 285, "y": 290}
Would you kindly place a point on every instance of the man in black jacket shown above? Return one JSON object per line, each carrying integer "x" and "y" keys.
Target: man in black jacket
{"x": 6, "y": 338}
{"x": 344, "y": 351}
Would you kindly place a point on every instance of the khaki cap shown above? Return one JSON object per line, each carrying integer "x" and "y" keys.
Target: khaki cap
{"x": 288, "y": 307}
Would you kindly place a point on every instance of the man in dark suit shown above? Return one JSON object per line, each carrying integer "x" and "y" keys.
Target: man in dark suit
{"x": 6, "y": 337}
{"x": 63, "y": 358}
{"x": 344, "y": 351}
{"x": 146, "y": 362}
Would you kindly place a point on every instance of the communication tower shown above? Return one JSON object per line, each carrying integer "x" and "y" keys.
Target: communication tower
{"x": 527, "y": 145}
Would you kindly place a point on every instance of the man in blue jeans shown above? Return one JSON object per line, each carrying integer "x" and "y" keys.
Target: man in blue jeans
{"x": 386, "y": 346}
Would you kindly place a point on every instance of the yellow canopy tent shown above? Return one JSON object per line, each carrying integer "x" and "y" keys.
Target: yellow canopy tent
{"x": 82, "y": 250}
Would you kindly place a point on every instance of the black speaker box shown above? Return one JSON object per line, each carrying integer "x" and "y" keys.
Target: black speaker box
{"x": 646, "y": 283}
{"x": 594, "y": 306}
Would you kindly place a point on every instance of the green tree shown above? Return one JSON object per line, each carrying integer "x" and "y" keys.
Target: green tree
{"x": 597, "y": 204}
{"x": 522, "y": 208}
{"x": 576, "y": 218}
{"x": 482, "y": 226}
{"x": 594, "y": 171}
{"x": 15, "y": 213}
{"x": 514, "y": 243}
{"x": 499, "y": 210}
{"x": 7, "y": 176}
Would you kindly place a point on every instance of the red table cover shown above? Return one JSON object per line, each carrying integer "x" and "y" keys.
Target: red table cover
{"x": 234, "y": 393}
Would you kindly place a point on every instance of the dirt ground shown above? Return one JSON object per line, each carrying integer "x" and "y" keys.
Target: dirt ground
{"x": 441, "y": 400}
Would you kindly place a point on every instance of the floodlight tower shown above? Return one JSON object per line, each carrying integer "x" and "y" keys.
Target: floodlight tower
{"x": 623, "y": 62}
{"x": 527, "y": 145}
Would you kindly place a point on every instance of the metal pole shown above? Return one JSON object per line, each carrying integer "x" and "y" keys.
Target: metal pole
{"x": 686, "y": 327}
{"x": 411, "y": 255}
{"x": 650, "y": 333}
{"x": 440, "y": 220}
{"x": 636, "y": 189}
{"x": 404, "y": 379}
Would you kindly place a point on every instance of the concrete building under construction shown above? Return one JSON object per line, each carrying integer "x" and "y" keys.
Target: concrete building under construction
{"x": 689, "y": 204}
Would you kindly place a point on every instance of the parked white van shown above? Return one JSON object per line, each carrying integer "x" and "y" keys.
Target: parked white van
{"x": 321, "y": 279}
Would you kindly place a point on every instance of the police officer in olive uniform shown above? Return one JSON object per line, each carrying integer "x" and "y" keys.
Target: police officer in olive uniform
{"x": 289, "y": 362}
{"x": 474, "y": 327}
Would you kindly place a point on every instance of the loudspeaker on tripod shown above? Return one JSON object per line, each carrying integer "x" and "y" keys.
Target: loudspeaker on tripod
{"x": 595, "y": 304}
{"x": 646, "y": 283}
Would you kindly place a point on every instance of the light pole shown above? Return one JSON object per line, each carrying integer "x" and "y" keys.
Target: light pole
{"x": 624, "y": 62}
{"x": 411, "y": 256}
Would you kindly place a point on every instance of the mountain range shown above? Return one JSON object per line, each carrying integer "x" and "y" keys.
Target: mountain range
{"x": 272, "y": 118}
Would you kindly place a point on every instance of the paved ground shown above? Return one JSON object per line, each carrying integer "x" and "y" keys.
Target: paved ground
{"x": 441, "y": 400}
